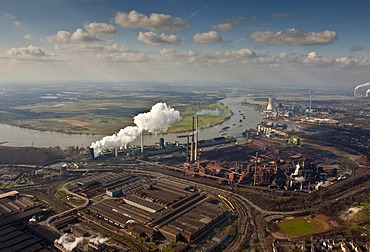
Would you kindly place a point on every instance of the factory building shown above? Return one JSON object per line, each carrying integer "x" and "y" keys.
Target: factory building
{"x": 152, "y": 208}
{"x": 15, "y": 233}
{"x": 192, "y": 224}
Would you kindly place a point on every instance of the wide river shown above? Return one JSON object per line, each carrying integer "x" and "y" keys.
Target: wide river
{"x": 15, "y": 136}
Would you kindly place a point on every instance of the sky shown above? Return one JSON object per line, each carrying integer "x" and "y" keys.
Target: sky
{"x": 322, "y": 43}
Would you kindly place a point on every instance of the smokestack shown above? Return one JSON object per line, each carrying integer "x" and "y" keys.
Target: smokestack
{"x": 255, "y": 170}
{"x": 161, "y": 143}
{"x": 192, "y": 142}
{"x": 158, "y": 119}
{"x": 91, "y": 153}
{"x": 311, "y": 94}
{"x": 116, "y": 152}
{"x": 196, "y": 140}
{"x": 187, "y": 148}
{"x": 142, "y": 142}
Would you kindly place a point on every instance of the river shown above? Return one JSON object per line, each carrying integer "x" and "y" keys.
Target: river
{"x": 15, "y": 136}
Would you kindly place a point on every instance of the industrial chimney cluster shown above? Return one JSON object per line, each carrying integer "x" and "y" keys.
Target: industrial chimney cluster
{"x": 192, "y": 150}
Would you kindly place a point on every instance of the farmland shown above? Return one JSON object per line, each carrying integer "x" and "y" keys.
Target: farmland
{"x": 97, "y": 111}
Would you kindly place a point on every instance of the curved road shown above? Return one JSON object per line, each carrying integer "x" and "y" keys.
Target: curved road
{"x": 65, "y": 189}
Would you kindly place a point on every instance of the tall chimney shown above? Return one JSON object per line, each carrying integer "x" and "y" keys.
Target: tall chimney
{"x": 142, "y": 142}
{"x": 196, "y": 140}
{"x": 91, "y": 153}
{"x": 311, "y": 94}
{"x": 187, "y": 148}
{"x": 255, "y": 170}
{"x": 192, "y": 142}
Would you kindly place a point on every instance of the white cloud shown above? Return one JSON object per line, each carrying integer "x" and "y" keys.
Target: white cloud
{"x": 289, "y": 57}
{"x": 363, "y": 61}
{"x": 154, "y": 22}
{"x": 125, "y": 56}
{"x": 28, "y": 37}
{"x": 116, "y": 52}
{"x": 151, "y": 38}
{"x": 15, "y": 22}
{"x": 242, "y": 53}
{"x": 26, "y": 52}
{"x": 100, "y": 28}
{"x": 314, "y": 58}
{"x": 228, "y": 25}
{"x": 179, "y": 57}
{"x": 207, "y": 37}
{"x": 294, "y": 37}
{"x": 345, "y": 62}
{"x": 167, "y": 52}
{"x": 242, "y": 56}
{"x": 77, "y": 36}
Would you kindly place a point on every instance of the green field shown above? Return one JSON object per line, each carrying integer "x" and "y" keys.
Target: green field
{"x": 101, "y": 117}
{"x": 298, "y": 227}
{"x": 204, "y": 121}
{"x": 366, "y": 205}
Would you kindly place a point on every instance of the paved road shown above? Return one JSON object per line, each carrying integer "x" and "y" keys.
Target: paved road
{"x": 51, "y": 218}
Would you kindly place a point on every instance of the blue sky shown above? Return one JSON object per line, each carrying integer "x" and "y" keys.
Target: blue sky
{"x": 281, "y": 43}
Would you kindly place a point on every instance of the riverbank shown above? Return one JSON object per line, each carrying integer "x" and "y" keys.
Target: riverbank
{"x": 101, "y": 124}
{"x": 15, "y": 136}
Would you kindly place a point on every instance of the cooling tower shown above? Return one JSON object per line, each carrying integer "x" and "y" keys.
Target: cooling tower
{"x": 270, "y": 106}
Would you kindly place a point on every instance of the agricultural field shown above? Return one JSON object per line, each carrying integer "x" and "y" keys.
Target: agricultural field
{"x": 102, "y": 117}
{"x": 206, "y": 120}
{"x": 98, "y": 111}
{"x": 85, "y": 117}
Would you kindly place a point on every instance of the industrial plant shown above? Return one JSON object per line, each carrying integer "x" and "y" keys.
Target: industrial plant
{"x": 305, "y": 163}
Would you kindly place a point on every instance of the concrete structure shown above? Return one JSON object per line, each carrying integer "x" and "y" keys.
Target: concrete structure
{"x": 150, "y": 207}
{"x": 270, "y": 105}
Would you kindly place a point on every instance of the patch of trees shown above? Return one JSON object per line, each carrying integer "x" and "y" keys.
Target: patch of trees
{"x": 29, "y": 155}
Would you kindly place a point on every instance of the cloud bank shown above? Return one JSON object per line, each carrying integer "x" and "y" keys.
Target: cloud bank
{"x": 294, "y": 37}
{"x": 151, "y": 38}
{"x": 154, "y": 22}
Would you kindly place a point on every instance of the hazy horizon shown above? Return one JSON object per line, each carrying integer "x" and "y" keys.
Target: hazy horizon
{"x": 269, "y": 43}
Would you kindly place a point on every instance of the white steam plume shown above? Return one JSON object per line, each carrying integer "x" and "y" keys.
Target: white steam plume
{"x": 360, "y": 86}
{"x": 211, "y": 112}
{"x": 69, "y": 241}
{"x": 367, "y": 93}
{"x": 299, "y": 179}
{"x": 296, "y": 172}
{"x": 158, "y": 119}
{"x": 98, "y": 240}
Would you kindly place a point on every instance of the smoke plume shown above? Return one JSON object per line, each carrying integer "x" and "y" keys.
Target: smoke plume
{"x": 358, "y": 88}
{"x": 69, "y": 241}
{"x": 211, "y": 112}
{"x": 158, "y": 119}
{"x": 299, "y": 179}
{"x": 98, "y": 240}
{"x": 296, "y": 172}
